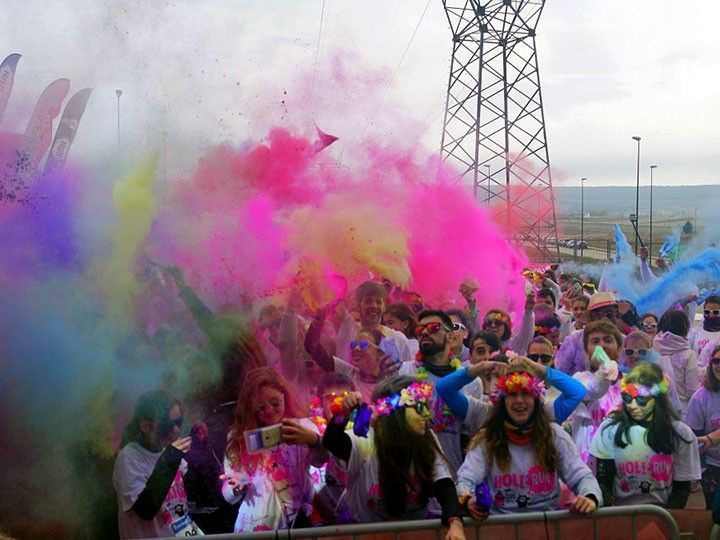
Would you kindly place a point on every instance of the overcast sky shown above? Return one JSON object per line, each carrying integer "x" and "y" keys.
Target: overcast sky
{"x": 208, "y": 71}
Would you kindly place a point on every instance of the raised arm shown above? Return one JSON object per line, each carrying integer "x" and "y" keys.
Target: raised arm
{"x": 313, "y": 344}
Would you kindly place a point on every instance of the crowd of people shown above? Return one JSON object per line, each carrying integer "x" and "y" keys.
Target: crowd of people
{"x": 378, "y": 407}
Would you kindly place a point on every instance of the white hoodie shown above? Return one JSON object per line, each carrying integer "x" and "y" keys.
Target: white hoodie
{"x": 684, "y": 363}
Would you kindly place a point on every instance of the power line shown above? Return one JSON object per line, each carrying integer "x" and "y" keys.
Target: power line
{"x": 397, "y": 68}
{"x": 317, "y": 56}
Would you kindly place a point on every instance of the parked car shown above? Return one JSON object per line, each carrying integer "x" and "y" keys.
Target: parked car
{"x": 581, "y": 244}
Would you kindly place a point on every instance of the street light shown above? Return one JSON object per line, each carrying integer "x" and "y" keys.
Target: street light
{"x": 582, "y": 216}
{"x": 118, "y": 93}
{"x": 487, "y": 201}
{"x": 651, "y": 208}
{"x": 637, "y": 195}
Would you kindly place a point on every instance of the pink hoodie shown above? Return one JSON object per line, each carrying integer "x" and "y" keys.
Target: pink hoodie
{"x": 684, "y": 362}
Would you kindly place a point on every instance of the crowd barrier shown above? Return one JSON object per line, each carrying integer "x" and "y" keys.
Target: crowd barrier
{"x": 433, "y": 528}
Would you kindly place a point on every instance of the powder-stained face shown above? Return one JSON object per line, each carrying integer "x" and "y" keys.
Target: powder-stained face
{"x": 640, "y": 408}
{"x": 416, "y": 421}
{"x": 269, "y": 406}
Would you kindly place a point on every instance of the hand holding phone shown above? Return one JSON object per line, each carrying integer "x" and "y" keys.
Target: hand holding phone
{"x": 264, "y": 438}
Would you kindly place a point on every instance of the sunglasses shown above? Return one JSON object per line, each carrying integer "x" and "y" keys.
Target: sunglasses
{"x": 713, "y": 312}
{"x": 457, "y": 327}
{"x": 607, "y": 314}
{"x": 642, "y": 353}
{"x": 650, "y": 324}
{"x": 275, "y": 403}
{"x": 494, "y": 322}
{"x": 362, "y": 345}
{"x": 715, "y": 361}
{"x": 170, "y": 424}
{"x": 431, "y": 327}
{"x": 545, "y": 358}
{"x": 640, "y": 400}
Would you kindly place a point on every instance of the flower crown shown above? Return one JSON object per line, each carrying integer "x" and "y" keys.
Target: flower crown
{"x": 636, "y": 390}
{"x": 515, "y": 383}
{"x": 497, "y": 316}
{"x": 417, "y": 393}
{"x": 546, "y": 330}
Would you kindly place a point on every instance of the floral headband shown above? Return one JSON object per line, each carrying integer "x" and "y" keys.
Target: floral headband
{"x": 636, "y": 390}
{"x": 495, "y": 316}
{"x": 418, "y": 393}
{"x": 545, "y": 330}
{"x": 515, "y": 383}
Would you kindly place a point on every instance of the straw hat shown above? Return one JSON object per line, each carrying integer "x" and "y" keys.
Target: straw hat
{"x": 601, "y": 300}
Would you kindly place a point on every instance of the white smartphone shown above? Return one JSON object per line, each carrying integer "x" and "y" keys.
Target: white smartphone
{"x": 261, "y": 439}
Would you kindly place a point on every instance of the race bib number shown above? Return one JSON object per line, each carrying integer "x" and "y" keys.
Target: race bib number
{"x": 185, "y": 527}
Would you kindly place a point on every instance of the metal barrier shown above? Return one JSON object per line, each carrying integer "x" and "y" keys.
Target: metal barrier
{"x": 355, "y": 530}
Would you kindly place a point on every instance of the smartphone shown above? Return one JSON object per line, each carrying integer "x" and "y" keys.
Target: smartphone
{"x": 577, "y": 288}
{"x": 261, "y": 439}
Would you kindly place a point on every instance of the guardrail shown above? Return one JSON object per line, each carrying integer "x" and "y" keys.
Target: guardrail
{"x": 356, "y": 530}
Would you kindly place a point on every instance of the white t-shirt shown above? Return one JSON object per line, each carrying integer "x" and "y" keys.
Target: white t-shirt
{"x": 643, "y": 476}
{"x": 703, "y": 414}
{"x": 601, "y": 398}
{"x": 133, "y": 466}
{"x": 698, "y": 338}
{"x": 363, "y": 491}
{"x": 279, "y": 486}
{"x": 526, "y": 486}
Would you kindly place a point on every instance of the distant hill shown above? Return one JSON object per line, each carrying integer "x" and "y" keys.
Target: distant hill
{"x": 620, "y": 200}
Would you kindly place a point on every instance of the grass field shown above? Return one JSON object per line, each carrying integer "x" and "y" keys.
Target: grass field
{"x": 599, "y": 230}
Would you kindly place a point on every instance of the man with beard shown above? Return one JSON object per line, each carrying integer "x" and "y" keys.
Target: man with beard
{"x": 433, "y": 362}
{"x": 699, "y": 337}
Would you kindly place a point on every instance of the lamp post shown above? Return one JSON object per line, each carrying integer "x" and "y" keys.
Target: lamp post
{"x": 118, "y": 93}
{"x": 487, "y": 200}
{"x": 651, "y": 209}
{"x": 637, "y": 195}
{"x": 582, "y": 217}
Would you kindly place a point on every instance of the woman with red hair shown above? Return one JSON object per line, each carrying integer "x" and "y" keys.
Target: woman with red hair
{"x": 273, "y": 485}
